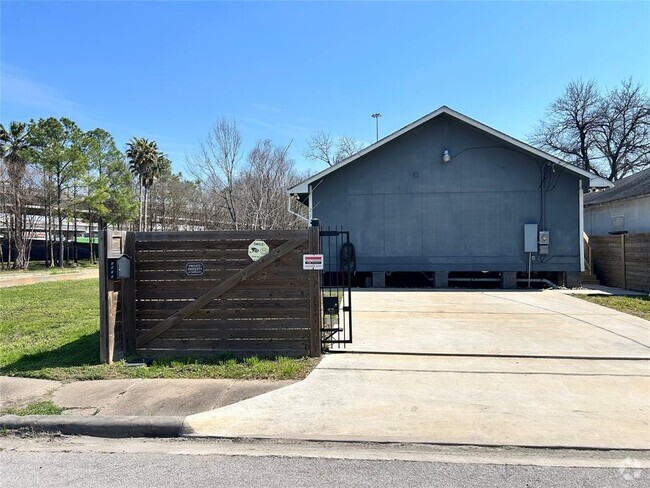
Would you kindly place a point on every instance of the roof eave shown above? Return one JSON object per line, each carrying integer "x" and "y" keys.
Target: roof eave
{"x": 594, "y": 180}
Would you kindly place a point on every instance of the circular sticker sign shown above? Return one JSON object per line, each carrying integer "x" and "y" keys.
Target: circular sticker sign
{"x": 257, "y": 249}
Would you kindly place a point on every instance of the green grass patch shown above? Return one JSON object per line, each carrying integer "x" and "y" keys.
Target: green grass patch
{"x": 37, "y": 408}
{"x": 51, "y": 331}
{"x": 634, "y": 305}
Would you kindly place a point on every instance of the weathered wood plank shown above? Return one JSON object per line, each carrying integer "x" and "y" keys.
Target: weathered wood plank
{"x": 268, "y": 292}
{"x": 155, "y": 261}
{"x": 315, "y": 342}
{"x": 232, "y": 345}
{"x": 220, "y": 334}
{"x": 204, "y": 285}
{"x": 217, "y": 291}
{"x": 229, "y": 304}
{"x": 245, "y": 324}
{"x": 293, "y": 270}
{"x": 293, "y": 352}
{"x": 188, "y": 245}
{"x": 128, "y": 299}
{"x": 218, "y": 261}
{"x": 220, "y": 313}
{"x": 221, "y": 235}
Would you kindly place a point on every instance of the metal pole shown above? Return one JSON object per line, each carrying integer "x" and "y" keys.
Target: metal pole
{"x": 376, "y": 117}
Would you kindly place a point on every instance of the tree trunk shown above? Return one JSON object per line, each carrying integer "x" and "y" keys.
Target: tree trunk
{"x": 140, "y": 212}
{"x": 146, "y": 197}
{"x": 59, "y": 216}
{"x": 75, "y": 256}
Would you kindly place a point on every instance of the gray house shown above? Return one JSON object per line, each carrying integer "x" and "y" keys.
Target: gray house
{"x": 623, "y": 208}
{"x": 451, "y": 198}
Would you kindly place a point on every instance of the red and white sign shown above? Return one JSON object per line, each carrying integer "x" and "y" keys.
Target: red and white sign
{"x": 312, "y": 261}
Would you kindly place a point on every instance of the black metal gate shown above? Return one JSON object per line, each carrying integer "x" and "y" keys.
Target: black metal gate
{"x": 336, "y": 283}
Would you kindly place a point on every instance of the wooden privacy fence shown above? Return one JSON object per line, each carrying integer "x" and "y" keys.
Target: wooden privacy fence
{"x": 622, "y": 260}
{"x": 201, "y": 293}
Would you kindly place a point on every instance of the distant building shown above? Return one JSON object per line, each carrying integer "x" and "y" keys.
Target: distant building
{"x": 623, "y": 208}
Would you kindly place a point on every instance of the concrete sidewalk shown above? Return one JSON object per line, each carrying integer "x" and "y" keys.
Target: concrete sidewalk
{"x": 132, "y": 397}
{"x": 30, "y": 278}
{"x": 450, "y": 400}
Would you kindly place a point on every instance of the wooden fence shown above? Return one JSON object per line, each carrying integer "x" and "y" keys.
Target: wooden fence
{"x": 622, "y": 260}
{"x": 201, "y": 293}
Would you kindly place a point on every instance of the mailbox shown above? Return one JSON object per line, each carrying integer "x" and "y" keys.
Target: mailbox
{"x": 119, "y": 268}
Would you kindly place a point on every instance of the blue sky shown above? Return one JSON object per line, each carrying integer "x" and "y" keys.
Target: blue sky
{"x": 168, "y": 70}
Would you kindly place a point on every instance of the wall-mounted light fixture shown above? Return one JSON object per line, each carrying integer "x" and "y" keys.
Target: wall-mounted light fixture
{"x": 445, "y": 156}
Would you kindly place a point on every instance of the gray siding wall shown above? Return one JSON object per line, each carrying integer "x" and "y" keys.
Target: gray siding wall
{"x": 406, "y": 210}
{"x": 636, "y": 213}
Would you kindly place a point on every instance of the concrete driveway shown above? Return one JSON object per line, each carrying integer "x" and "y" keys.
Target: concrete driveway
{"x": 495, "y": 323}
{"x": 466, "y": 367}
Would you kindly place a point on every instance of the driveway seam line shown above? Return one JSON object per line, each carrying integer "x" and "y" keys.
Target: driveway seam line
{"x": 574, "y": 318}
{"x": 485, "y": 372}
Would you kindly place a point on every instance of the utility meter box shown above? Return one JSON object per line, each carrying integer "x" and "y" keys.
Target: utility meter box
{"x": 530, "y": 237}
{"x": 119, "y": 268}
{"x": 544, "y": 237}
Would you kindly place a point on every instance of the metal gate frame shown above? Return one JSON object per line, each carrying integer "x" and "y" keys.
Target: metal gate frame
{"x": 336, "y": 290}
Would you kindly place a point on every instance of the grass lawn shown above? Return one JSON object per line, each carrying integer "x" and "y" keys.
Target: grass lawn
{"x": 637, "y": 305}
{"x": 51, "y": 331}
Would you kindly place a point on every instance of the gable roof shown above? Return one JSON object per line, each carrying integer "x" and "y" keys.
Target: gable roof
{"x": 595, "y": 181}
{"x": 635, "y": 186}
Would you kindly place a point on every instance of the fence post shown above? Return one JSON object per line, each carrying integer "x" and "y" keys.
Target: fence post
{"x": 111, "y": 244}
{"x": 103, "y": 297}
{"x": 128, "y": 298}
{"x": 314, "y": 294}
{"x": 624, "y": 261}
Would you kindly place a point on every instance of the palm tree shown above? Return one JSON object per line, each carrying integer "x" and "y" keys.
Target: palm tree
{"x": 15, "y": 144}
{"x": 148, "y": 163}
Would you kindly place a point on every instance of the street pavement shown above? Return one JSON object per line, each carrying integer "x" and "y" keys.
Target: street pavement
{"x": 89, "y": 470}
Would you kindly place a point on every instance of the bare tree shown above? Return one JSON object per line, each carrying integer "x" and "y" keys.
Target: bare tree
{"x": 607, "y": 135}
{"x": 264, "y": 181}
{"x": 216, "y": 165}
{"x": 623, "y": 137}
{"x": 322, "y": 147}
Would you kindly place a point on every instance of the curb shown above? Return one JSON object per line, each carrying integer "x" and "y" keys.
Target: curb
{"x": 118, "y": 426}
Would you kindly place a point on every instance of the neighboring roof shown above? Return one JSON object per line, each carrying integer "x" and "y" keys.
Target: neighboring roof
{"x": 595, "y": 181}
{"x": 635, "y": 186}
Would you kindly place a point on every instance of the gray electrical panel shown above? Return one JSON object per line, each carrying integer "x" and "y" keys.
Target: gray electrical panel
{"x": 530, "y": 237}
{"x": 544, "y": 237}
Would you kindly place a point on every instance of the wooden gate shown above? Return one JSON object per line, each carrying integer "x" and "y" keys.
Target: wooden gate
{"x": 201, "y": 293}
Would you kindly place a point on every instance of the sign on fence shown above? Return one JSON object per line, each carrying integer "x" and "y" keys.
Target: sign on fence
{"x": 257, "y": 249}
{"x": 312, "y": 261}
{"x": 194, "y": 269}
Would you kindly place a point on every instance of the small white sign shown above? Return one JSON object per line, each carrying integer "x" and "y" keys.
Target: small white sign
{"x": 312, "y": 261}
{"x": 257, "y": 250}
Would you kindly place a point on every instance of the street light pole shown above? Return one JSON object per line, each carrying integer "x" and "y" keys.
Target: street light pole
{"x": 376, "y": 117}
